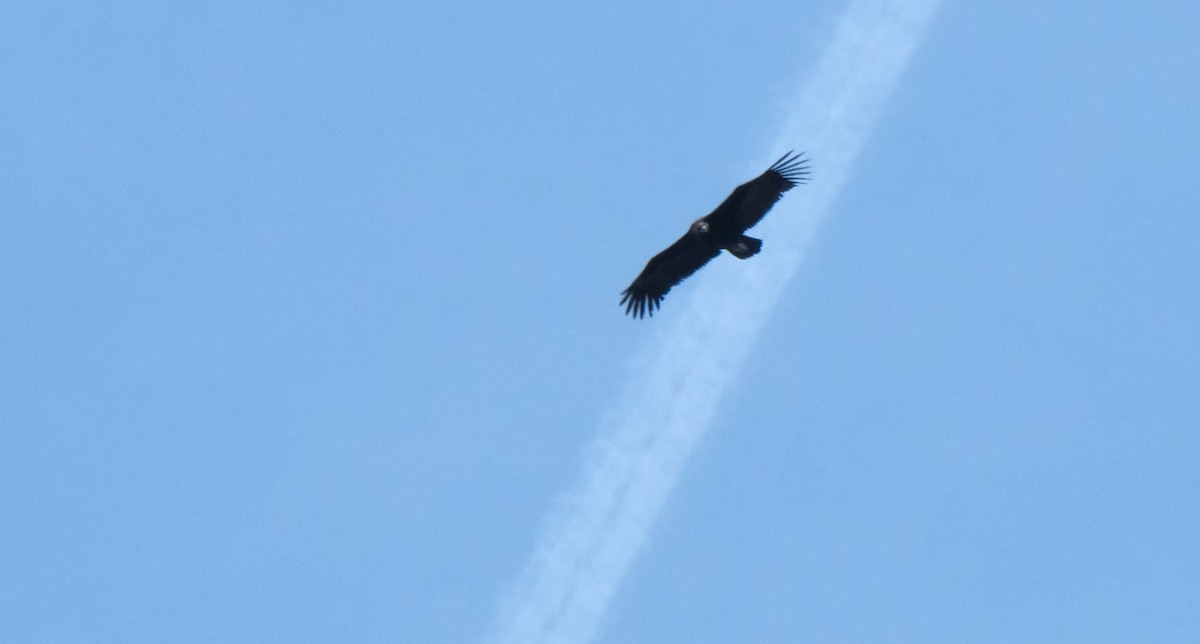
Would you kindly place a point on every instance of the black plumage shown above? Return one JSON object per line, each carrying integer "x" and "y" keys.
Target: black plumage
{"x": 722, "y": 229}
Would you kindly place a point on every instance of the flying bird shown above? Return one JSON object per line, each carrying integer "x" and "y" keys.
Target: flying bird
{"x": 721, "y": 229}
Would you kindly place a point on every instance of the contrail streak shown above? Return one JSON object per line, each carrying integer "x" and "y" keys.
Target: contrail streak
{"x": 601, "y": 524}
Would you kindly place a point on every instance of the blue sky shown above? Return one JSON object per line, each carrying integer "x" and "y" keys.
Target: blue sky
{"x": 309, "y": 313}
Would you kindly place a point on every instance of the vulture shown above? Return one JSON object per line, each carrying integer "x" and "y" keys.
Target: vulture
{"x": 722, "y": 229}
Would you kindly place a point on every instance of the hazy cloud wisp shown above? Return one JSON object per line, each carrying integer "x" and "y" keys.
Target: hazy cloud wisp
{"x": 593, "y": 536}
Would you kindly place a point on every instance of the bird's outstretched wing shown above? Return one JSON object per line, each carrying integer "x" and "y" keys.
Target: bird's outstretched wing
{"x": 663, "y": 271}
{"x": 751, "y": 201}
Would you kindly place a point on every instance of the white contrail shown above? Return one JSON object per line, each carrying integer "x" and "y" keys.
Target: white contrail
{"x": 600, "y": 526}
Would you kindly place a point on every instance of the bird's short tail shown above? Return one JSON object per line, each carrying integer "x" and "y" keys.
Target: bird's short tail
{"x": 745, "y": 247}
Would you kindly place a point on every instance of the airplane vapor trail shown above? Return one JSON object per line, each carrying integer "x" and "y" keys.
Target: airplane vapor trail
{"x": 592, "y": 538}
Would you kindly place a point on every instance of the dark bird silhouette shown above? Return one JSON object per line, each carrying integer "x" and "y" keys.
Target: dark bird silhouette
{"x": 721, "y": 229}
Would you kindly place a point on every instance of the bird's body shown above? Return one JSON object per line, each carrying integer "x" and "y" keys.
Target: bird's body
{"x": 722, "y": 229}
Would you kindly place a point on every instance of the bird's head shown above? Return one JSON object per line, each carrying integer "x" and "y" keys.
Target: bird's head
{"x": 699, "y": 227}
